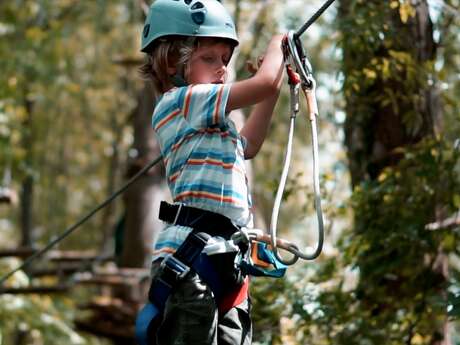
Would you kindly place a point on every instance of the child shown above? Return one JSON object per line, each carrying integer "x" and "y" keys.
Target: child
{"x": 189, "y": 44}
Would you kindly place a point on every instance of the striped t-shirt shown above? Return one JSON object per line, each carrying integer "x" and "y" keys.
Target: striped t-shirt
{"x": 203, "y": 155}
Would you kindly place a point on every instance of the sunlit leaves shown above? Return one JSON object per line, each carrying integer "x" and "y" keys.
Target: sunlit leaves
{"x": 61, "y": 99}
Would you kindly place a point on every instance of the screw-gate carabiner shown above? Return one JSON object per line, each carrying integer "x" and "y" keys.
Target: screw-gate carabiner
{"x": 303, "y": 77}
{"x": 296, "y": 54}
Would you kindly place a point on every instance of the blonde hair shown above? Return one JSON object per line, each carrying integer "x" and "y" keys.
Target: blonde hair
{"x": 173, "y": 51}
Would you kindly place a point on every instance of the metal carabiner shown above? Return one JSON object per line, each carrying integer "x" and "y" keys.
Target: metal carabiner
{"x": 294, "y": 53}
{"x": 299, "y": 58}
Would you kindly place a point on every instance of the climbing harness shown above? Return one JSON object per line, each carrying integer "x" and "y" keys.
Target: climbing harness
{"x": 173, "y": 269}
{"x": 197, "y": 252}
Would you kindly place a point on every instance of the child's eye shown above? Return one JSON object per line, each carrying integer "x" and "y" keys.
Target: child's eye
{"x": 208, "y": 59}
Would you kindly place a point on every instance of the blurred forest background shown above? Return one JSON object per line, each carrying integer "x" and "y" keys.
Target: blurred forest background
{"x": 75, "y": 125}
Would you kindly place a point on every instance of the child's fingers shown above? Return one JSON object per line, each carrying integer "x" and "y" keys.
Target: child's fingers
{"x": 251, "y": 67}
{"x": 254, "y": 67}
{"x": 260, "y": 59}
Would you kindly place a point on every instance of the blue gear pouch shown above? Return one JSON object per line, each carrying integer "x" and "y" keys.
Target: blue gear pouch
{"x": 259, "y": 263}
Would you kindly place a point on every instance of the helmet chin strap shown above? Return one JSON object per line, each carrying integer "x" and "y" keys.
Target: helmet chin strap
{"x": 178, "y": 80}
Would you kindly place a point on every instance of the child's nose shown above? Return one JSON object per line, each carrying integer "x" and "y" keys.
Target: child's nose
{"x": 222, "y": 68}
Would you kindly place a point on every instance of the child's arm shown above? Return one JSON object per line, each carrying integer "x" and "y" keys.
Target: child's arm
{"x": 256, "y": 127}
{"x": 262, "y": 90}
{"x": 264, "y": 84}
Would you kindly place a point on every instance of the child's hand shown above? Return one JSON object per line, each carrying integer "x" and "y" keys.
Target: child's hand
{"x": 252, "y": 67}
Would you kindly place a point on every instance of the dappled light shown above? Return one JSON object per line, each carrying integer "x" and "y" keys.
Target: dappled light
{"x": 353, "y": 218}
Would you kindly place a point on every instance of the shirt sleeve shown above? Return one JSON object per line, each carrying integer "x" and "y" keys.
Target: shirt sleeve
{"x": 203, "y": 105}
{"x": 244, "y": 142}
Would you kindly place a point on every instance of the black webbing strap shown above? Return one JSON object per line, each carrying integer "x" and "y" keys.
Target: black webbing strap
{"x": 201, "y": 220}
{"x": 175, "y": 267}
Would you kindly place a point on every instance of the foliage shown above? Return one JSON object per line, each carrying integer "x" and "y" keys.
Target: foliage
{"x": 37, "y": 319}
{"x": 400, "y": 291}
{"x": 402, "y": 278}
{"x": 448, "y": 69}
{"x": 64, "y": 108}
{"x": 63, "y": 101}
{"x": 393, "y": 281}
{"x": 269, "y": 304}
{"x": 394, "y": 290}
{"x": 65, "y": 104}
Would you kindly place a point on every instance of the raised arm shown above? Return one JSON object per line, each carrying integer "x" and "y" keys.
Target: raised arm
{"x": 264, "y": 84}
{"x": 271, "y": 75}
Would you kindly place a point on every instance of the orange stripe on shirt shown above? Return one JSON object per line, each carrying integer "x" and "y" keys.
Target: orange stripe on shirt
{"x": 167, "y": 118}
{"x": 216, "y": 130}
{"x": 174, "y": 177}
{"x": 188, "y": 98}
{"x": 205, "y": 195}
{"x": 211, "y": 162}
{"x": 183, "y": 140}
{"x": 225, "y": 134}
{"x": 227, "y": 166}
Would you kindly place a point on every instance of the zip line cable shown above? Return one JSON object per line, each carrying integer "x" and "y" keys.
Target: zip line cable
{"x": 313, "y": 18}
{"x": 82, "y": 220}
{"x": 72, "y": 228}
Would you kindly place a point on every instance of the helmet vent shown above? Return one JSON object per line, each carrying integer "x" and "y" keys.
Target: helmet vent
{"x": 188, "y": 2}
{"x": 197, "y": 6}
{"x": 198, "y": 13}
{"x": 146, "y": 30}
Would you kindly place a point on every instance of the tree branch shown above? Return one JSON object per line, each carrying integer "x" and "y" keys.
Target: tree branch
{"x": 445, "y": 224}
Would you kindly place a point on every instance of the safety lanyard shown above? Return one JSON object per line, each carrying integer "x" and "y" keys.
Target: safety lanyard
{"x": 301, "y": 78}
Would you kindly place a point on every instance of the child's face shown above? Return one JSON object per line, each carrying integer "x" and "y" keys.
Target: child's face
{"x": 208, "y": 64}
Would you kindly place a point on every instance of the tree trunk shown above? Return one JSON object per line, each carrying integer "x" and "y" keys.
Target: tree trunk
{"x": 142, "y": 199}
{"x": 26, "y": 212}
{"x": 391, "y": 110}
{"x": 371, "y": 139}
{"x": 108, "y": 221}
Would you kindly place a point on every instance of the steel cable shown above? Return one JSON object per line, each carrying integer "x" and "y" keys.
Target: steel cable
{"x": 72, "y": 228}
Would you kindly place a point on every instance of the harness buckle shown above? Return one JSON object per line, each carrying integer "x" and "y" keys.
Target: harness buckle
{"x": 177, "y": 214}
{"x": 172, "y": 270}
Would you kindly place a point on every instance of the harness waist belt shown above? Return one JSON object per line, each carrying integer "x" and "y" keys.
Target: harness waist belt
{"x": 212, "y": 223}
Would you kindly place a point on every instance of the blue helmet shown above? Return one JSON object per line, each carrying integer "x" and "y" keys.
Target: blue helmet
{"x": 196, "y": 18}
